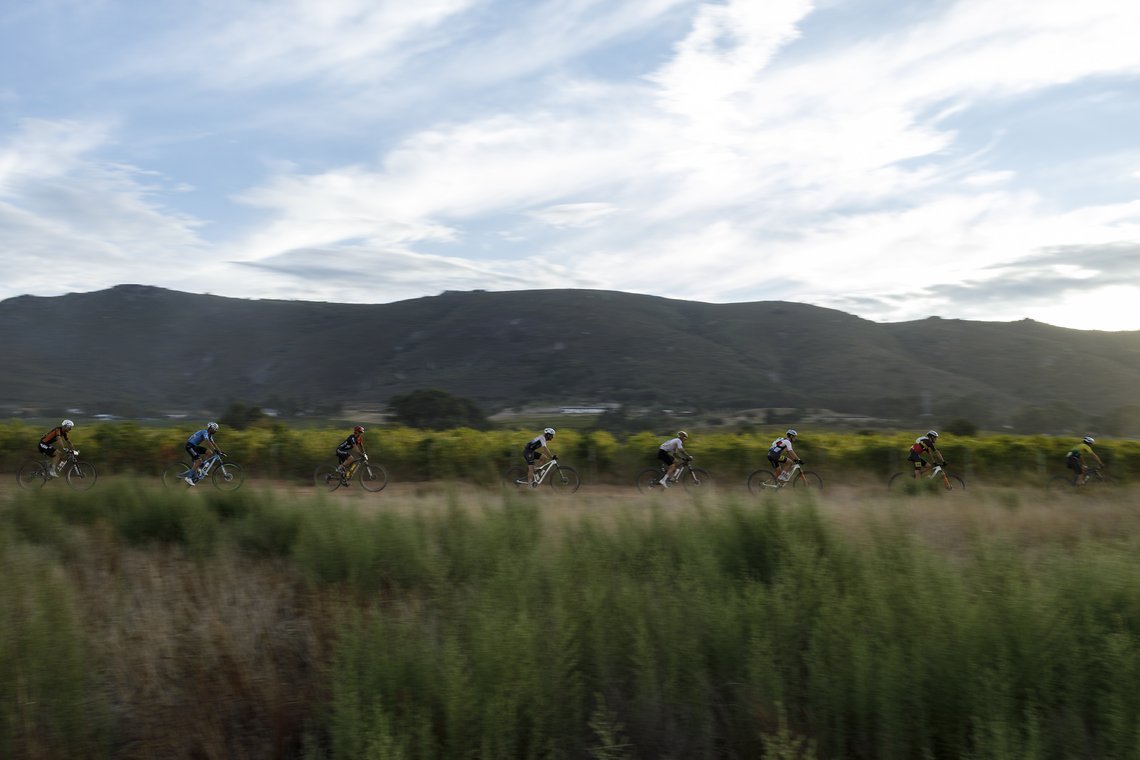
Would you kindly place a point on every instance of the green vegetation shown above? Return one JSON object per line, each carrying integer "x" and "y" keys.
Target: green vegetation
{"x": 140, "y": 623}
{"x": 436, "y": 410}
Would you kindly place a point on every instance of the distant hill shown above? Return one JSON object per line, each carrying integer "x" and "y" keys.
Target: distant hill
{"x": 133, "y": 349}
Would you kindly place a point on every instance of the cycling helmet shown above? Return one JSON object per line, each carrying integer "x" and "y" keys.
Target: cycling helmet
{"x": 931, "y": 434}
{"x": 549, "y": 432}
{"x": 358, "y": 429}
{"x": 212, "y": 427}
{"x": 791, "y": 433}
{"x": 67, "y": 424}
{"x": 682, "y": 434}
{"x": 1089, "y": 440}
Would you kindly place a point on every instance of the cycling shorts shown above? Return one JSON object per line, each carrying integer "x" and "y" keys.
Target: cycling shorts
{"x": 666, "y": 457}
{"x": 1073, "y": 463}
{"x": 195, "y": 451}
{"x": 47, "y": 449}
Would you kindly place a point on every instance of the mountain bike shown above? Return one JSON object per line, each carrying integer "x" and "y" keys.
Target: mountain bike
{"x": 765, "y": 481}
{"x": 226, "y": 476}
{"x": 1094, "y": 477}
{"x": 561, "y": 478}
{"x": 938, "y": 479}
{"x": 372, "y": 478}
{"x": 77, "y": 474}
{"x": 649, "y": 479}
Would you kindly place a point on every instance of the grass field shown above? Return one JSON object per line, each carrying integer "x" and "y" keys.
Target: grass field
{"x": 444, "y": 620}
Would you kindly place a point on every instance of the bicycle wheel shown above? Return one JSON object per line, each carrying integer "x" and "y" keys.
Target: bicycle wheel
{"x": 649, "y": 480}
{"x": 516, "y": 477}
{"x": 902, "y": 481}
{"x": 1060, "y": 484}
{"x": 762, "y": 481}
{"x": 697, "y": 478}
{"x": 327, "y": 476}
{"x": 808, "y": 481}
{"x": 952, "y": 483}
{"x": 227, "y": 477}
{"x": 31, "y": 475}
{"x": 81, "y": 476}
{"x": 564, "y": 479}
{"x": 175, "y": 474}
{"x": 373, "y": 477}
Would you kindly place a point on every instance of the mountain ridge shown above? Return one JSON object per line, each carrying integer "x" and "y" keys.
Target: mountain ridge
{"x": 136, "y": 347}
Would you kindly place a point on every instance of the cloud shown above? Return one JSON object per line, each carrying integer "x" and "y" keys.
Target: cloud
{"x": 728, "y": 150}
{"x": 73, "y": 221}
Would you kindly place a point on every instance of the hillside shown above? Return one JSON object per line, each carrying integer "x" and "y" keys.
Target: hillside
{"x": 133, "y": 348}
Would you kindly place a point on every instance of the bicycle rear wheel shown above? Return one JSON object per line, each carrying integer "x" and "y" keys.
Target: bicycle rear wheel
{"x": 649, "y": 480}
{"x": 31, "y": 475}
{"x": 516, "y": 477}
{"x": 373, "y": 477}
{"x": 175, "y": 474}
{"x": 697, "y": 478}
{"x": 81, "y": 476}
{"x": 227, "y": 477}
{"x": 808, "y": 481}
{"x": 762, "y": 481}
{"x": 327, "y": 476}
{"x": 564, "y": 479}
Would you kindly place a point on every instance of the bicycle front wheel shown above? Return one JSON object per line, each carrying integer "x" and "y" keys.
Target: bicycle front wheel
{"x": 649, "y": 480}
{"x": 327, "y": 476}
{"x": 81, "y": 476}
{"x": 175, "y": 475}
{"x": 697, "y": 478}
{"x": 807, "y": 481}
{"x": 952, "y": 483}
{"x": 762, "y": 481}
{"x": 31, "y": 475}
{"x": 227, "y": 477}
{"x": 373, "y": 477}
{"x": 564, "y": 479}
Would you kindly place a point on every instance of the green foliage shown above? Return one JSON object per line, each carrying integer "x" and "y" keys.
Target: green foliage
{"x": 493, "y": 629}
{"x": 436, "y": 409}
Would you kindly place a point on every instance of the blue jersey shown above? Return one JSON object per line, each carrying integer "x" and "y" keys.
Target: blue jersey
{"x": 199, "y": 437}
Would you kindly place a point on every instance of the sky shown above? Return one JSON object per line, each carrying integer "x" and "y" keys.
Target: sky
{"x": 893, "y": 159}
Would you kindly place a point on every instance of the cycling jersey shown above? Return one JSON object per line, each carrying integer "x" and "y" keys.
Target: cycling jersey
{"x": 1079, "y": 451}
{"x": 353, "y": 441}
{"x": 198, "y": 438}
{"x": 530, "y": 451}
{"x": 53, "y": 435}
{"x": 672, "y": 445}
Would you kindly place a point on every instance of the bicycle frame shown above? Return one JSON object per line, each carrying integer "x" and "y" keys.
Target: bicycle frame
{"x": 543, "y": 470}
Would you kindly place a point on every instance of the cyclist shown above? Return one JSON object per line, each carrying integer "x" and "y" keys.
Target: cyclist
{"x": 195, "y": 449}
{"x": 47, "y": 445}
{"x": 781, "y": 452}
{"x": 923, "y": 446}
{"x": 534, "y": 451}
{"x": 669, "y": 453}
{"x": 1075, "y": 459}
{"x": 347, "y": 446}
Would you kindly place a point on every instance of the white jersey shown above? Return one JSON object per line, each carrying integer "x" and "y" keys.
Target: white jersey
{"x": 672, "y": 445}
{"x": 781, "y": 444}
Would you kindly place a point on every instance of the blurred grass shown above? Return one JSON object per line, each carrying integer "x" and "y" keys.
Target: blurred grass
{"x": 144, "y": 623}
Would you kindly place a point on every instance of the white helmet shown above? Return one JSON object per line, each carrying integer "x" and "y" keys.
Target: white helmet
{"x": 682, "y": 434}
{"x": 212, "y": 426}
{"x": 1089, "y": 440}
{"x": 791, "y": 433}
{"x": 549, "y": 432}
{"x": 67, "y": 424}
{"x": 932, "y": 434}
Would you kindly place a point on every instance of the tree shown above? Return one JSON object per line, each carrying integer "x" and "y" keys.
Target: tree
{"x": 435, "y": 409}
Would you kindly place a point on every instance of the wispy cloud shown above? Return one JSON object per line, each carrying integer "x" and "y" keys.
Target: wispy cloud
{"x": 929, "y": 163}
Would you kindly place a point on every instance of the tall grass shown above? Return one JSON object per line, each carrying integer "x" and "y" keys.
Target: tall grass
{"x": 460, "y": 626}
